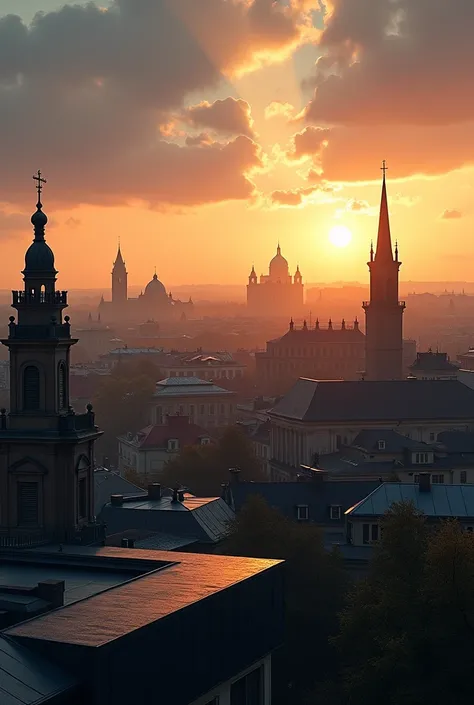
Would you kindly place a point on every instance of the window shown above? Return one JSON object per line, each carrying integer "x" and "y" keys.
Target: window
{"x": 437, "y": 479}
{"x": 248, "y": 690}
{"x": 173, "y": 444}
{"x": 302, "y": 512}
{"x": 222, "y": 409}
{"x": 365, "y": 533}
{"x": 432, "y": 437}
{"x": 338, "y": 441}
{"x": 463, "y": 477}
{"x": 82, "y": 498}
{"x": 335, "y": 511}
{"x": 381, "y": 445}
{"x": 205, "y": 441}
{"x": 201, "y": 410}
{"x": 191, "y": 410}
{"x": 31, "y": 388}
{"x": 181, "y": 410}
{"x": 62, "y": 385}
{"x": 27, "y": 504}
{"x": 211, "y": 409}
{"x": 422, "y": 458}
{"x": 375, "y": 532}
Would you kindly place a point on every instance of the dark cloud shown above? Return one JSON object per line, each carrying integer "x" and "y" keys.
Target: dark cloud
{"x": 394, "y": 80}
{"x": 203, "y": 138}
{"x": 452, "y": 214}
{"x": 82, "y": 91}
{"x": 293, "y": 197}
{"x": 229, "y": 116}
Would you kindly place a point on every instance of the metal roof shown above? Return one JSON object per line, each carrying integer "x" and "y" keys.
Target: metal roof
{"x": 27, "y": 679}
{"x": 185, "y": 386}
{"x": 313, "y": 400}
{"x": 441, "y": 501}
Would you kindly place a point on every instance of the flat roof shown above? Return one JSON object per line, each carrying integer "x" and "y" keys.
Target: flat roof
{"x": 152, "y": 596}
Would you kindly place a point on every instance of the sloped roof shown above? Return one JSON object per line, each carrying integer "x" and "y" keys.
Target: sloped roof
{"x": 204, "y": 519}
{"x": 178, "y": 428}
{"x": 28, "y": 679}
{"x": 186, "y": 386}
{"x": 332, "y": 400}
{"x": 107, "y": 482}
{"x": 433, "y": 361}
{"x": 318, "y": 496}
{"x": 394, "y": 442}
{"x": 441, "y": 501}
{"x": 299, "y": 336}
{"x": 457, "y": 441}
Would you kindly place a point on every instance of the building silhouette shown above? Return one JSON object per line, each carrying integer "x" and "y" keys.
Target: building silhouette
{"x": 384, "y": 312}
{"x": 154, "y": 303}
{"x": 47, "y": 450}
{"x": 277, "y": 293}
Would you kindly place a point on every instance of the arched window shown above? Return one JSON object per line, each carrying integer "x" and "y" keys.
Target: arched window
{"x": 31, "y": 388}
{"x": 62, "y": 385}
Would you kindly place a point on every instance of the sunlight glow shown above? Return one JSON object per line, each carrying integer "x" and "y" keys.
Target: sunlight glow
{"x": 340, "y": 236}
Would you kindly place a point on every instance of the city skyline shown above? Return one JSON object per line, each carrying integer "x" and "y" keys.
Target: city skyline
{"x": 233, "y": 166}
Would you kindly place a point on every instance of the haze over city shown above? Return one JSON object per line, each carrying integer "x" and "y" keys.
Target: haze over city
{"x": 192, "y": 131}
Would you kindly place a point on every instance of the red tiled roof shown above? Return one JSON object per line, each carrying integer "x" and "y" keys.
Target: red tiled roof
{"x": 178, "y": 427}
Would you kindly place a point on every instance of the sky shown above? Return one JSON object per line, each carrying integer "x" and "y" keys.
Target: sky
{"x": 203, "y": 132}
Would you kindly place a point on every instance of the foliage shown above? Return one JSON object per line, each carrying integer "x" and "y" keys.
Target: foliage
{"x": 314, "y": 588}
{"x": 203, "y": 469}
{"x": 121, "y": 402}
{"x": 406, "y": 634}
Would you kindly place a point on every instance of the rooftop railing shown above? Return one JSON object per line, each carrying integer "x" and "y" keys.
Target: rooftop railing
{"x": 39, "y": 297}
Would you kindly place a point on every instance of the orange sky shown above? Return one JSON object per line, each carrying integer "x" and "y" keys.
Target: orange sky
{"x": 192, "y": 160}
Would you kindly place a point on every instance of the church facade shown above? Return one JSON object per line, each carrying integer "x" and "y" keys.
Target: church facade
{"x": 46, "y": 449}
{"x": 276, "y": 293}
{"x": 153, "y": 304}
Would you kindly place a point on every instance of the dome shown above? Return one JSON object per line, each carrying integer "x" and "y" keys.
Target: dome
{"x": 39, "y": 219}
{"x": 279, "y": 267}
{"x": 155, "y": 288}
{"x": 39, "y": 257}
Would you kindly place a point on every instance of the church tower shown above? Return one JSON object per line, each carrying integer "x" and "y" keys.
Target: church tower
{"x": 119, "y": 282}
{"x": 384, "y": 312}
{"x": 46, "y": 449}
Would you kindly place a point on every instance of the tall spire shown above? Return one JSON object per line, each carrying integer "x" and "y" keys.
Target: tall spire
{"x": 39, "y": 219}
{"x": 384, "y": 242}
{"x": 278, "y": 248}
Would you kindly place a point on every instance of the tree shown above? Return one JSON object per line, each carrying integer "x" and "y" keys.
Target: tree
{"x": 314, "y": 588}
{"x": 121, "y": 402}
{"x": 406, "y": 634}
{"x": 203, "y": 469}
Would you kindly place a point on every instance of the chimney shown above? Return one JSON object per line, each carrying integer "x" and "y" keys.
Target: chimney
{"x": 154, "y": 491}
{"x": 425, "y": 482}
{"x": 124, "y": 543}
{"x": 175, "y": 495}
{"x": 51, "y": 591}
{"x": 224, "y": 491}
{"x": 116, "y": 500}
{"x": 234, "y": 474}
{"x": 180, "y": 495}
{"x": 131, "y": 543}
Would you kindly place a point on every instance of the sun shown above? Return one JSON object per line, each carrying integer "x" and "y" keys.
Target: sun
{"x": 340, "y": 236}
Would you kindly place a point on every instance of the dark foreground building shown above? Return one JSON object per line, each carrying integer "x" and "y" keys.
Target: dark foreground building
{"x": 142, "y": 627}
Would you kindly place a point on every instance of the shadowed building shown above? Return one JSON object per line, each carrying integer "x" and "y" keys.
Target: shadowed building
{"x": 47, "y": 451}
{"x": 277, "y": 293}
{"x": 384, "y": 312}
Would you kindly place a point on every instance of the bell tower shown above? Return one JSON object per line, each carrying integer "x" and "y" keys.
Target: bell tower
{"x": 46, "y": 449}
{"x": 384, "y": 312}
{"x": 119, "y": 282}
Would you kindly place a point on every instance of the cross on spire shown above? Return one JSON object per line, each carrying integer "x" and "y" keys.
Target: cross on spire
{"x": 39, "y": 186}
{"x": 384, "y": 168}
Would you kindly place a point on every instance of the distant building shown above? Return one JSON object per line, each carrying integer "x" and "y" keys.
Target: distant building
{"x": 207, "y": 366}
{"x": 277, "y": 293}
{"x": 152, "y": 304}
{"x": 209, "y": 617}
{"x": 384, "y": 311}
{"x": 316, "y": 352}
{"x": 466, "y": 360}
{"x": 436, "y": 502}
{"x": 147, "y": 451}
{"x": 433, "y": 365}
{"x": 319, "y": 417}
{"x": 205, "y": 403}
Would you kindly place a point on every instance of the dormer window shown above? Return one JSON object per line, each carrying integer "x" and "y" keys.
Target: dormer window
{"x": 422, "y": 458}
{"x": 173, "y": 444}
{"x": 381, "y": 445}
{"x": 302, "y": 512}
{"x": 205, "y": 441}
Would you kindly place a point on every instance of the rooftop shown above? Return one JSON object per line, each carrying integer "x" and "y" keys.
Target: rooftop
{"x": 433, "y": 361}
{"x": 393, "y": 442}
{"x": 186, "y": 386}
{"x": 439, "y": 501}
{"x": 312, "y": 400}
{"x": 107, "y": 482}
{"x": 176, "y": 428}
{"x": 164, "y": 589}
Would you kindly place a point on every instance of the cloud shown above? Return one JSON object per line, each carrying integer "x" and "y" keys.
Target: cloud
{"x": 309, "y": 142}
{"x": 11, "y": 223}
{"x": 229, "y": 116}
{"x": 200, "y": 140}
{"x": 452, "y": 214}
{"x": 73, "y": 222}
{"x": 91, "y": 108}
{"x": 299, "y": 196}
{"x": 396, "y": 75}
{"x": 357, "y": 206}
{"x": 278, "y": 109}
